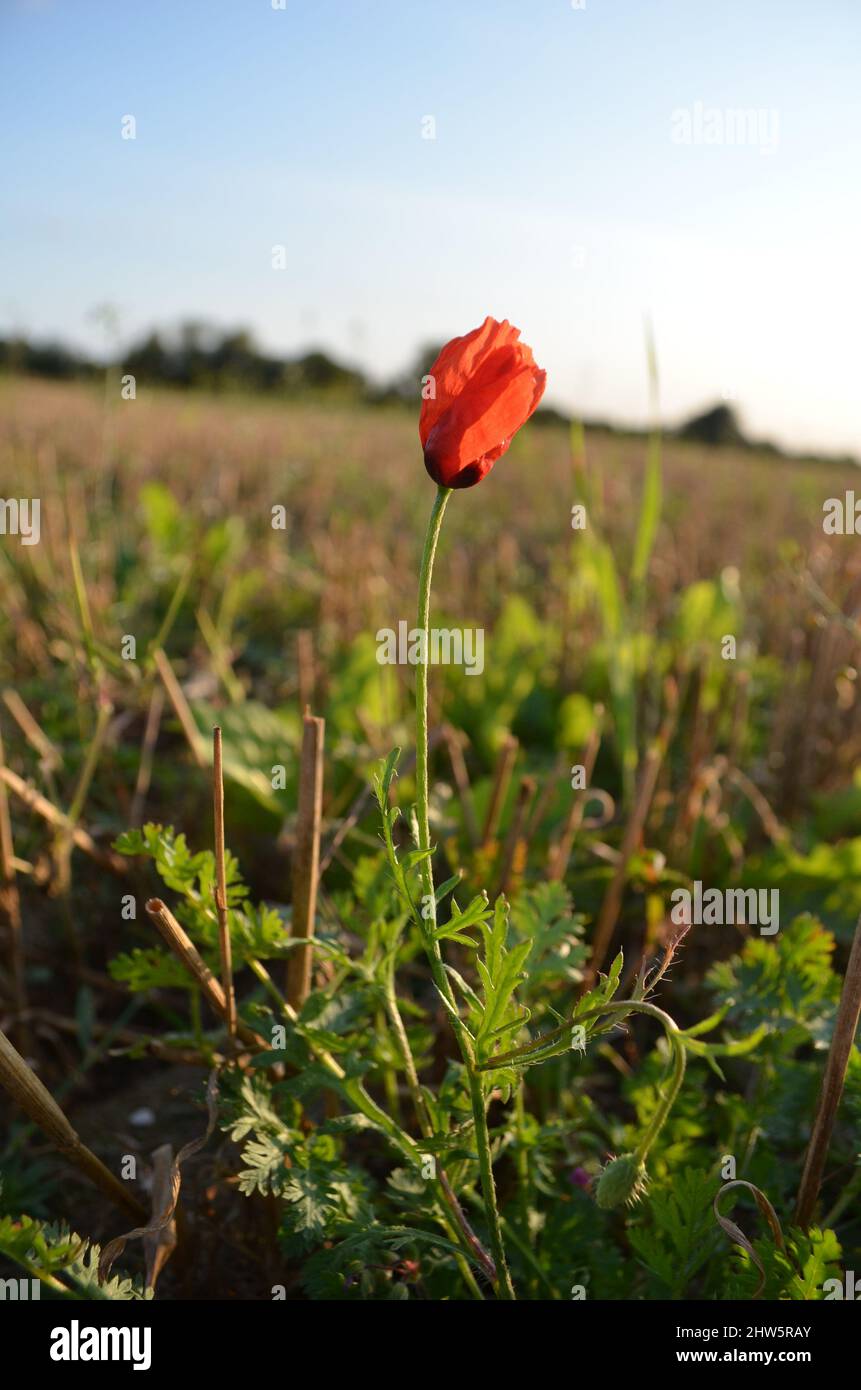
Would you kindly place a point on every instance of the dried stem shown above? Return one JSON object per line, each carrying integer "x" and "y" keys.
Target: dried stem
{"x": 504, "y": 769}
{"x": 150, "y": 737}
{"x": 525, "y": 793}
{"x": 574, "y": 820}
{"x": 117, "y": 863}
{"x": 221, "y": 884}
{"x": 845, "y": 1027}
{"x": 32, "y": 731}
{"x": 306, "y": 859}
{"x": 160, "y": 1244}
{"x": 181, "y": 706}
{"x": 453, "y": 741}
{"x": 611, "y": 906}
{"x": 39, "y": 1105}
{"x": 183, "y": 947}
{"x": 10, "y": 904}
{"x": 306, "y": 666}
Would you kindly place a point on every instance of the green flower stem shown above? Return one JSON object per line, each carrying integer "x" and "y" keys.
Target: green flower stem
{"x": 528, "y": 1052}
{"x": 621, "y": 1008}
{"x": 505, "y": 1288}
{"x": 521, "y": 1157}
{"x": 368, "y": 1107}
{"x": 463, "y": 1232}
{"x": 425, "y": 578}
{"x": 669, "y": 1092}
{"x": 400, "y": 1032}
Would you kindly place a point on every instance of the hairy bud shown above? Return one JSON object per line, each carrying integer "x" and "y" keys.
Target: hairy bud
{"x": 623, "y": 1180}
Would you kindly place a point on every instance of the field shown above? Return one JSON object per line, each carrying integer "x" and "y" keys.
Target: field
{"x": 669, "y": 698}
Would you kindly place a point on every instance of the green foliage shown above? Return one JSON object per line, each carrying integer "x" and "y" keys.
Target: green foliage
{"x": 153, "y": 968}
{"x": 796, "y": 1273}
{"x": 192, "y": 875}
{"x": 542, "y": 914}
{"x": 677, "y": 1235}
{"x": 823, "y": 880}
{"x": 256, "y": 930}
{"x": 256, "y": 741}
{"x": 361, "y": 1124}
{"x": 65, "y": 1263}
{"x": 785, "y": 982}
{"x": 516, "y": 981}
{"x": 500, "y": 970}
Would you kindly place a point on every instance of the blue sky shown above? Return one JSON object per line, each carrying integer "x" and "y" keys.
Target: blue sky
{"x": 554, "y": 193}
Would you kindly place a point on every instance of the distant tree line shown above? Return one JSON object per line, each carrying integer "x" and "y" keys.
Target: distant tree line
{"x": 197, "y": 356}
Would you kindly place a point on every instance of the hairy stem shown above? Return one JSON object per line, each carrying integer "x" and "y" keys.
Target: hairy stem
{"x": 620, "y": 1008}
{"x": 457, "y": 1231}
{"x": 504, "y": 1286}
{"x": 447, "y": 1194}
{"x": 425, "y": 578}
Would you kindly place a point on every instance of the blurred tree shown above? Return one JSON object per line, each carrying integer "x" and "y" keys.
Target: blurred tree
{"x": 719, "y": 425}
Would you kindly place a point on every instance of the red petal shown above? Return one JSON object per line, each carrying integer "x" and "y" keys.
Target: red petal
{"x": 458, "y": 363}
{"x": 481, "y": 421}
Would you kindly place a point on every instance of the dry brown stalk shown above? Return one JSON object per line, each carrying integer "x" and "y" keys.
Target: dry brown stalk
{"x": 28, "y": 1092}
{"x": 65, "y": 840}
{"x": 770, "y": 824}
{"x": 160, "y": 1243}
{"x": 306, "y": 667}
{"x": 306, "y": 858}
{"x": 32, "y": 731}
{"x": 221, "y": 884}
{"x": 10, "y": 904}
{"x": 525, "y": 793}
{"x": 504, "y": 770}
{"x": 545, "y": 797}
{"x": 183, "y": 947}
{"x": 150, "y": 737}
{"x": 117, "y": 863}
{"x": 611, "y": 906}
{"x": 845, "y": 1028}
{"x": 454, "y": 744}
{"x": 181, "y": 706}
{"x": 574, "y": 819}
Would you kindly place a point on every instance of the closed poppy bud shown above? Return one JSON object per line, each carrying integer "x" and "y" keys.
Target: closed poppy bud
{"x": 622, "y": 1181}
{"x": 485, "y": 386}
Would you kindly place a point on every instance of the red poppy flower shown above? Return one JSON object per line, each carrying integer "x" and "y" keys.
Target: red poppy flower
{"x": 487, "y": 385}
